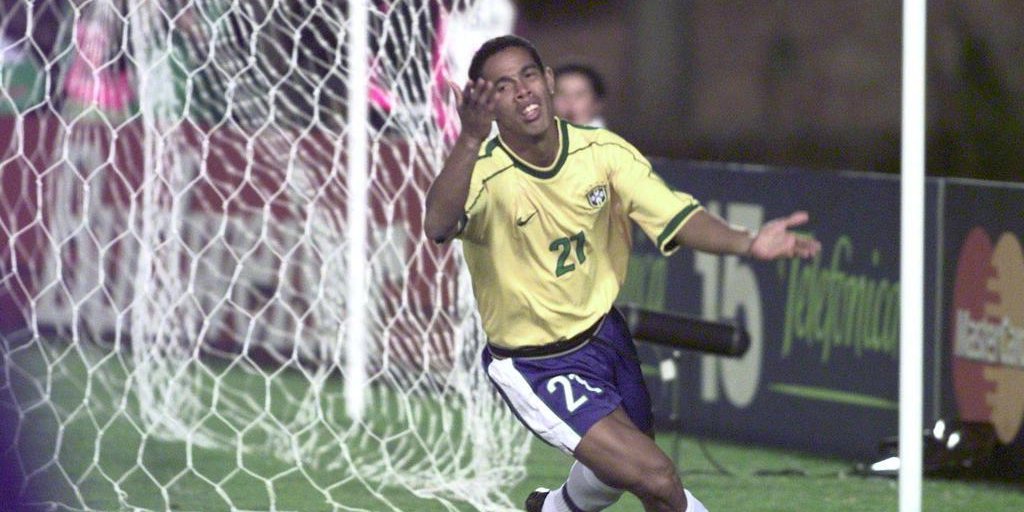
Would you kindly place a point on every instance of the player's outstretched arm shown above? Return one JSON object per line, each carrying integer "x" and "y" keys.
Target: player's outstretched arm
{"x": 709, "y": 233}
{"x": 447, "y": 195}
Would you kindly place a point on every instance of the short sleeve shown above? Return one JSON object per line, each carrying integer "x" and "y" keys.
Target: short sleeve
{"x": 474, "y": 220}
{"x": 646, "y": 198}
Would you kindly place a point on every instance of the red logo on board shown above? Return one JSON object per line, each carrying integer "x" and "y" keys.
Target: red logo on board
{"x": 988, "y": 332}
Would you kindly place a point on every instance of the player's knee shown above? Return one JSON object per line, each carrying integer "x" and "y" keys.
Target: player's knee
{"x": 658, "y": 479}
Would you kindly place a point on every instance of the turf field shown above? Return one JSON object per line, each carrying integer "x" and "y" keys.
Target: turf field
{"x": 97, "y": 448}
{"x": 824, "y": 489}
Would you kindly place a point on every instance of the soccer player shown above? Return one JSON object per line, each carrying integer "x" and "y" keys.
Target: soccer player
{"x": 579, "y": 95}
{"x": 543, "y": 210}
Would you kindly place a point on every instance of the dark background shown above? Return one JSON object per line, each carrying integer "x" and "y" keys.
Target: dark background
{"x": 796, "y": 83}
{"x": 806, "y": 83}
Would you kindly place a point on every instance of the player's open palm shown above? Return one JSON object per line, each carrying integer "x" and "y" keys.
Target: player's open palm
{"x": 775, "y": 240}
{"x": 476, "y": 107}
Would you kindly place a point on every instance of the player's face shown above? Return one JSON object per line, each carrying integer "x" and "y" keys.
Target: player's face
{"x": 522, "y": 93}
{"x": 575, "y": 100}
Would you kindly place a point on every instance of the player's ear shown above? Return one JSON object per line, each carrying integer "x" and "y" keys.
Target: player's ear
{"x": 549, "y": 76}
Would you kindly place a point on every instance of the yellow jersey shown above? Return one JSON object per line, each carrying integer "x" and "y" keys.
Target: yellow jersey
{"x": 548, "y": 248}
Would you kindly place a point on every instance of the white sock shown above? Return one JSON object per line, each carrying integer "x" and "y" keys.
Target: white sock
{"x": 585, "y": 491}
{"x": 555, "y": 503}
{"x": 693, "y": 504}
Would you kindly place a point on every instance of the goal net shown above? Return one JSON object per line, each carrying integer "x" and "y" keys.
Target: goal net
{"x": 175, "y": 282}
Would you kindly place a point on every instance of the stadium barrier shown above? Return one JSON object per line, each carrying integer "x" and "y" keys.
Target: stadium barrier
{"x": 41, "y": 205}
{"x": 821, "y": 374}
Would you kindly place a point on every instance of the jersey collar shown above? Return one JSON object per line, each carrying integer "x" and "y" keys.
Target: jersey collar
{"x": 542, "y": 172}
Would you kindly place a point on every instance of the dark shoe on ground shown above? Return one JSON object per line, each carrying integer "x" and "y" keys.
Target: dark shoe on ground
{"x": 535, "y": 501}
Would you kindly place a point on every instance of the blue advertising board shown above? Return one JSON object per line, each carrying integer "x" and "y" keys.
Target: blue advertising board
{"x": 822, "y": 371}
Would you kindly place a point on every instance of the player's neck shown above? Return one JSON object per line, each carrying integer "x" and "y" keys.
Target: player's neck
{"x": 538, "y": 151}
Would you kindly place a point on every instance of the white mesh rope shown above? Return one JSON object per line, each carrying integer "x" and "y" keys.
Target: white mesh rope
{"x": 172, "y": 277}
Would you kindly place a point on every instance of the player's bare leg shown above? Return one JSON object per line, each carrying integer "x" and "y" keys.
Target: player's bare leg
{"x": 622, "y": 456}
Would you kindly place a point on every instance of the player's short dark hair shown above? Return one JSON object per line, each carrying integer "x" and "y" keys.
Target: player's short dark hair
{"x": 493, "y": 46}
{"x": 591, "y": 74}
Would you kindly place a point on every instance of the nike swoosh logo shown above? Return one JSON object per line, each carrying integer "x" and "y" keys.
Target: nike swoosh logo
{"x": 522, "y": 222}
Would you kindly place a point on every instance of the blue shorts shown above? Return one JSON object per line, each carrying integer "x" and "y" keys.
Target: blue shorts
{"x": 560, "y": 396}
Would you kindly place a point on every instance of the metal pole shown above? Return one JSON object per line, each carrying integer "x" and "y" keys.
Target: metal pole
{"x": 912, "y": 214}
{"x": 358, "y": 192}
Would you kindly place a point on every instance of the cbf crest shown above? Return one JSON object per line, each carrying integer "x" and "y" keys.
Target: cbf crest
{"x": 597, "y": 196}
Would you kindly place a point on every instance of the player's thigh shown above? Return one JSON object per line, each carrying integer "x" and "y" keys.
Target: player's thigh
{"x": 620, "y": 454}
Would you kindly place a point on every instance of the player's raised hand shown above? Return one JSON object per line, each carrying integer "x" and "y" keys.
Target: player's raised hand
{"x": 476, "y": 107}
{"x": 775, "y": 240}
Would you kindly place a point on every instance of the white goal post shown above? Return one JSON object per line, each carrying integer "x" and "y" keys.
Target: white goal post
{"x": 912, "y": 214}
{"x": 213, "y": 279}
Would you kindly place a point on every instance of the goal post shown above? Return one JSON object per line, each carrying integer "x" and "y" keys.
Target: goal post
{"x": 215, "y": 290}
{"x": 358, "y": 80}
{"x": 912, "y": 229}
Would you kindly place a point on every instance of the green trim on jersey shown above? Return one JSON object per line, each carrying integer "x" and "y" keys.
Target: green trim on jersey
{"x": 489, "y": 148}
{"x": 563, "y": 153}
{"x": 484, "y": 181}
{"x": 673, "y": 224}
{"x": 645, "y": 163}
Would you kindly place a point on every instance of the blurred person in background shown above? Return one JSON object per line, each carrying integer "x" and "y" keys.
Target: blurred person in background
{"x": 21, "y": 78}
{"x": 579, "y": 95}
{"x": 99, "y": 79}
{"x": 544, "y": 211}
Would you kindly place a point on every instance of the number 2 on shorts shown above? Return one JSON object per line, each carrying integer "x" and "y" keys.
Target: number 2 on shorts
{"x": 571, "y": 403}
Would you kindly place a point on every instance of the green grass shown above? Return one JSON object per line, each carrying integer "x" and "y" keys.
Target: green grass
{"x": 103, "y": 450}
{"x": 826, "y": 488}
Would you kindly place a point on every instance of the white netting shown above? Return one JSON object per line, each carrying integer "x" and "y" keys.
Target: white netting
{"x": 172, "y": 279}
